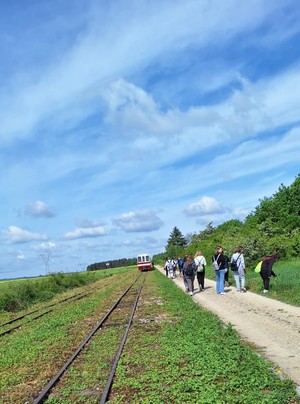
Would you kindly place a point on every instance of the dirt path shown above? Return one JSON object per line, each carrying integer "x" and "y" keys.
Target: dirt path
{"x": 274, "y": 327}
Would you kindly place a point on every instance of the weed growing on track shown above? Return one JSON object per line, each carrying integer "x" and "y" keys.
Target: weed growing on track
{"x": 30, "y": 357}
{"x": 177, "y": 352}
{"x": 181, "y": 353}
{"x": 23, "y": 293}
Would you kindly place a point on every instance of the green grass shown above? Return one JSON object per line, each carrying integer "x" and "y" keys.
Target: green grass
{"x": 285, "y": 287}
{"x": 190, "y": 356}
{"x": 177, "y": 352}
{"x": 21, "y": 294}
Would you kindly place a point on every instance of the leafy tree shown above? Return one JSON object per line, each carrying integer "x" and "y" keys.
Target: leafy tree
{"x": 176, "y": 243}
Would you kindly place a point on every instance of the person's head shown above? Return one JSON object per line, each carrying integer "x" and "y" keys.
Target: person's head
{"x": 276, "y": 256}
{"x": 198, "y": 253}
{"x": 189, "y": 259}
{"x": 239, "y": 249}
{"x": 219, "y": 249}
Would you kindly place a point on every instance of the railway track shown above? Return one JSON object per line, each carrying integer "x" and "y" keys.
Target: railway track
{"x": 32, "y": 315}
{"x": 127, "y": 302}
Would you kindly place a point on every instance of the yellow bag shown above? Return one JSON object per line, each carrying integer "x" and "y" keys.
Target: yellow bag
{"x": 258, "y": 267}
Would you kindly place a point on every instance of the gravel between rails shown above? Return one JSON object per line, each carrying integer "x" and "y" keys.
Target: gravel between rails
{"x": 273, "y": 327}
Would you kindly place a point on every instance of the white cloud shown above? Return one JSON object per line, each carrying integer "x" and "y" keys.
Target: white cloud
{"x": 38, "y": 209}
{"x": 138, "y": 221}
{"x": 16, "y": 235}
{"x": 20, "y": 256}
{"x": 85, "y": 232}
{"x": 48, "y": 246}
{"x": 205, "y": 206}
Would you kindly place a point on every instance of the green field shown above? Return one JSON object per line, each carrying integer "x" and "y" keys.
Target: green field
{"x": 177, "y": 352}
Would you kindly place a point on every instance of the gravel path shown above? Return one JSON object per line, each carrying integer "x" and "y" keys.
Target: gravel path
{"x": 274, "y": 327}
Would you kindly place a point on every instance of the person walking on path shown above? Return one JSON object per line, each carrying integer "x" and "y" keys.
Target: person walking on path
{"x": 238, "y": 267}
{"x": 218, "y": 264}
{"x": 226, "y": 276}
{"x": 200, "y": 263}
{"x": 267, "y": 270}
{"x": 189, "y": 269}
{"x": 180, "y": 264}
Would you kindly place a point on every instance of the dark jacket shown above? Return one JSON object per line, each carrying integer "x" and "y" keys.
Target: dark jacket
{"x": 267, "y": 265}
{"x": 221, "y": 260}
{"x": 189, "y": 268}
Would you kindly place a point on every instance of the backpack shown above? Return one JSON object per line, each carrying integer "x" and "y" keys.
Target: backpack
{"x": 233, "y": 265}
{"x": 170, "y": 265}
{"x": 258, "y": 267}
{"x": 215, "y": 265}
{"x": 189, "y": 270}
{"x": 180, "y": 262}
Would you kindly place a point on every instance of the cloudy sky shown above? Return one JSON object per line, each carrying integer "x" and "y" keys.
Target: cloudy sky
{"x": 123, "y": 119}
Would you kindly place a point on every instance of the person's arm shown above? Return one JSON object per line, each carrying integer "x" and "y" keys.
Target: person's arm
{"x": 242, "y": 262}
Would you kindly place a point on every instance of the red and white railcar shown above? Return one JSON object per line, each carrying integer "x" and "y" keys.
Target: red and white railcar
{"x": 144, "y": 262}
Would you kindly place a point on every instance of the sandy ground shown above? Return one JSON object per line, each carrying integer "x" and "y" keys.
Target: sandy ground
{"x": 273, "y": 327}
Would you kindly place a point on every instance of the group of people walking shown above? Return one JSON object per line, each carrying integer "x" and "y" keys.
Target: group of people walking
{"x": 193, "y": 268}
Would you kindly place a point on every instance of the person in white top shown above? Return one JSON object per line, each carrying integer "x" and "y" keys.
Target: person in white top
{"x": 239, "y": 269}
{"x": 200, "y": 263}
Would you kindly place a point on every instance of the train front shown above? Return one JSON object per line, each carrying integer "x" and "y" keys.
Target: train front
{"x": 144, "y": 262}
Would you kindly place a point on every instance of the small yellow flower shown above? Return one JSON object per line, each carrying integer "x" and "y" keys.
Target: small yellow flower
{"x": 279, "y": 371}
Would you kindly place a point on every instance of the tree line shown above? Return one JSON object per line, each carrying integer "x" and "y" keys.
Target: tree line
{"x": 117, "y": 263}
{"x": 274, "y": 225}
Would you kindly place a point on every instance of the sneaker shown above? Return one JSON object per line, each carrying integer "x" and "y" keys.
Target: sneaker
{"x": 222, "y": 293}
{"x": 265, "y": 291}
{"x": 191, "y": 293}
{"x": 200, "y": 288}
{"x": 238, "y": 290}
{"x": 244, "y": 290}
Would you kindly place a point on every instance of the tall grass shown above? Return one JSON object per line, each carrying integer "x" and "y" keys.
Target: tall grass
{"x": 21, "y": 294}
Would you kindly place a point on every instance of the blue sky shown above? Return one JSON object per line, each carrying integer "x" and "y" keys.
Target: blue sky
{"x": 123, "y": 119}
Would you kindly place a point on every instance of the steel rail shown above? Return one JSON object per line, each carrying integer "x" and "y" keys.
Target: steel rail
{"x": 73, "y": 298}
{"x": 119, "y": 353}
{"x": 36, "y": 310}
{"x": 46, "y": 391}
{"x": 36, "y": 317}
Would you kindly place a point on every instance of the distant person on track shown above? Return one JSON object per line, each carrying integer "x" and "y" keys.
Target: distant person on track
{"x": 218, "y": 261}
{"x": 267, "y": 270}
{"x": 239, "y": 272}
{"x": 200, "y": 263}
{"x": 189, "y": 270}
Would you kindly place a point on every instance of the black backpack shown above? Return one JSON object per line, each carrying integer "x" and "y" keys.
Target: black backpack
{"x": 189, "y": 270}
{"x": 233, "y": 265}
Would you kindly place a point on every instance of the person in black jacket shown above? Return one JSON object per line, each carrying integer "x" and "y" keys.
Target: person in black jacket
{"x": 267, "y": 270}
{"x": 219, "y": 259}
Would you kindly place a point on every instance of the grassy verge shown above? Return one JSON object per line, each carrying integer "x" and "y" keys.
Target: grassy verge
{"x": 21, "y": 294}
{"x": 32, "y": 355}
{"x": 285, "y": 287}
{"x": 177, "y": 352}
{"x": 181, "y": 353}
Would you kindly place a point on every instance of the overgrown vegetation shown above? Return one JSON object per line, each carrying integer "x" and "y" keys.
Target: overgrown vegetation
{"x": 273, "y": 226}
{"x": 177, "y": 352}
{"x": 21, "y": 294}
{"x": 189, "y": 356}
